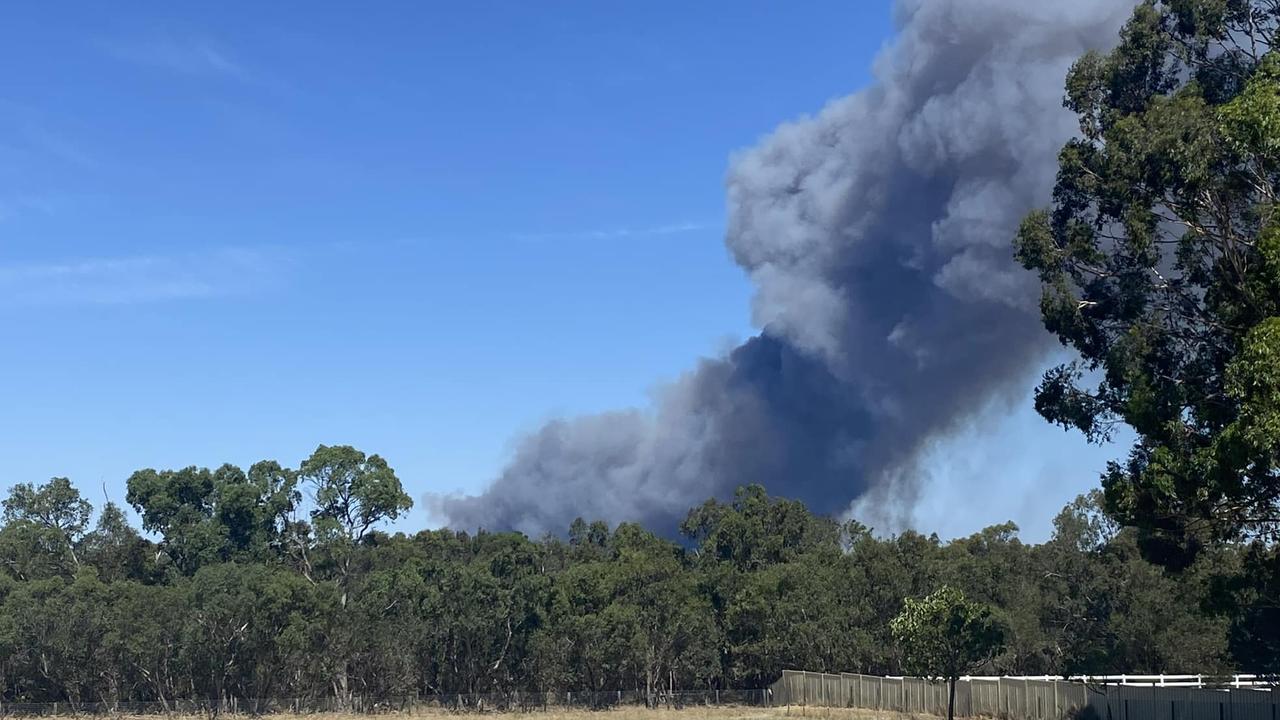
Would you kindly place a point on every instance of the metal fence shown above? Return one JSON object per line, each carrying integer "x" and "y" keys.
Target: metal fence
{"x": 1025, "y": 698}
{"x": 1131, "y": 702}
{"x": 404, "y": 705}
{"x": 1021, "y": 699}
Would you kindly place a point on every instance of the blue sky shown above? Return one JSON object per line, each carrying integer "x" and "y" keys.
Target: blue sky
{"x": 232, "y": 232}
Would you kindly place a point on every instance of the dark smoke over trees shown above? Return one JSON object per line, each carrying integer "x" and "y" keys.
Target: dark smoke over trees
{"x": 877, "y": 234}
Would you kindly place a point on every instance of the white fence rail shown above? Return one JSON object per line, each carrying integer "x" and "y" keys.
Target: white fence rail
{"x": 1195, "y": 681}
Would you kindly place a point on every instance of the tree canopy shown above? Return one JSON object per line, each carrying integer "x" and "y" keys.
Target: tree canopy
{"x": 1160, "y": 266}
{"x": 211, "y": 602}
{"x": 945, "y": 635}
{"x": 1160, "y": 262}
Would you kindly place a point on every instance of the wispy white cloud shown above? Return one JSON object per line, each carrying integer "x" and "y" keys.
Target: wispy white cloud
{"x": 141, "y": 279}
{"x": 182, "y": 55}
{"x": 619, "y": 233}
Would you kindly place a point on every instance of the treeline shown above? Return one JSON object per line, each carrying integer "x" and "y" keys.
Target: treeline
{"x": 240, "y": 588}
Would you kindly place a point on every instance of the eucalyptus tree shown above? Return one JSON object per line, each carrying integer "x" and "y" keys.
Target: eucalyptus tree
{"x": 352, "y": 493}
{"x": 1160, "y": 264}
{"x": 55, "y": 513}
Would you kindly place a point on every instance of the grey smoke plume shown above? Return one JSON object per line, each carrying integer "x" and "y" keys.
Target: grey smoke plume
{"x": 877, "y": 235}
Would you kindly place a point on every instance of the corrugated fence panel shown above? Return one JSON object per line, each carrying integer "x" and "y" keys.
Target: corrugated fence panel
{"x": 1024, "y": 699}
{"x": 1164, "y": 703}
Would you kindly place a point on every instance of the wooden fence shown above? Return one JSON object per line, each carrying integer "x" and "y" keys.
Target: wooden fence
{"x": 1024, "y": 698}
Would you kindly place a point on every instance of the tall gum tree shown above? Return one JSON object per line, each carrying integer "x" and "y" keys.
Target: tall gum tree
{"x": 1160, "y": 263}
{"x": 55, "y": 511}
{"x": 352, "y": 493}
{"x": 1160, "y": 266}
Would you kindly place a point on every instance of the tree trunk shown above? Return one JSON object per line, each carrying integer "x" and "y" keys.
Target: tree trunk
{"x": 951, "y": 698}
{"x": 648, "y": 681}
{"x": 344, "y": 691}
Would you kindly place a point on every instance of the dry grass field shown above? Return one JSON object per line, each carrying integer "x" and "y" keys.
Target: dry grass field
{"x": 724, "y": 712}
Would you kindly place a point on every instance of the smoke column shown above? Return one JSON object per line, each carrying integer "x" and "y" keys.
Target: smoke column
{"x": 877, "y": 235}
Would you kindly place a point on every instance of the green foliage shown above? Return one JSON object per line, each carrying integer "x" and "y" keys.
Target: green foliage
{"x": 352, "y": 492}
{"x": 206, "y": 516}
{"x": 115, "y": 549}
{"x": 1160, "y": 264}
{"x": 945, "y": 635}
{"x": 52, "y": 516}
{"x": 756, "y": 530}
{"x": 1251, "y": 120}
{"x": 769, "y": 586}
